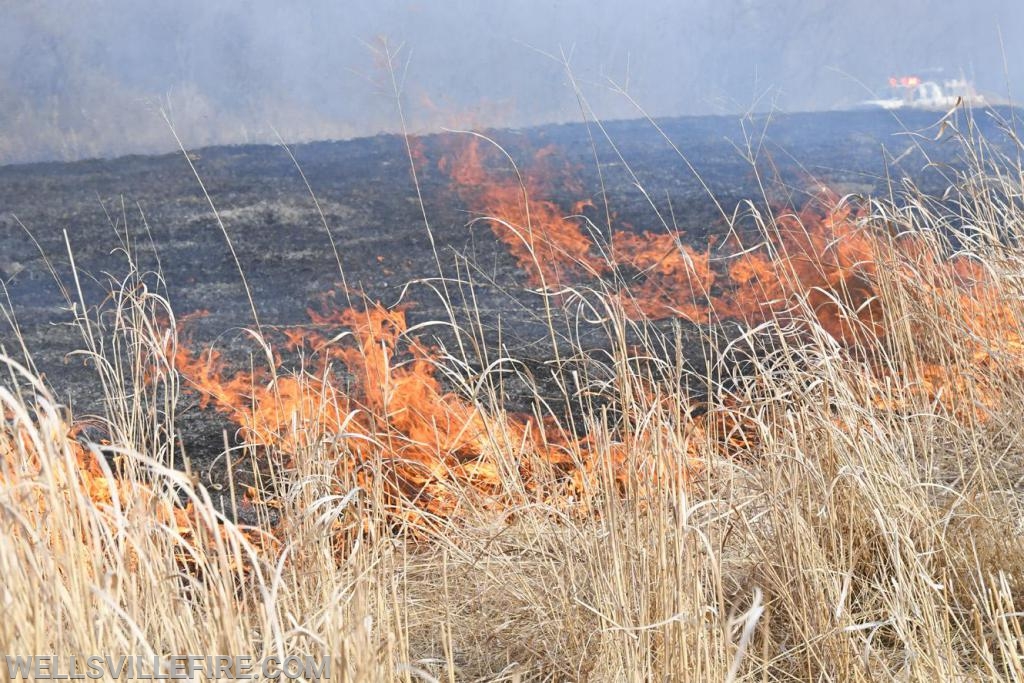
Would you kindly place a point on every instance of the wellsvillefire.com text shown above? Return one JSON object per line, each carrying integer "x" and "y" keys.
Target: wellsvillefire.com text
{"x": 165, "y": 668}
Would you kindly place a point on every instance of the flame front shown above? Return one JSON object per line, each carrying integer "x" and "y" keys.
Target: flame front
{"x": 373, "y": 401}
{"x": 819, "y": 253}
{"x": 392, "y": 420}
{"x": 820, "y": 264}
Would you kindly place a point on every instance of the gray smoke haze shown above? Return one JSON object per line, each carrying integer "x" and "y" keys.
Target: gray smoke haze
{"x": 90, "y": 77}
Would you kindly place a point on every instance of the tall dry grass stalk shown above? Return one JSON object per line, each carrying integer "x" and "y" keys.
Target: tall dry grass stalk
{"x": 869, "y": 528}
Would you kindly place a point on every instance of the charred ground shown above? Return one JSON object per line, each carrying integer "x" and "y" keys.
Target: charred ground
{"x": 365, "y": 190}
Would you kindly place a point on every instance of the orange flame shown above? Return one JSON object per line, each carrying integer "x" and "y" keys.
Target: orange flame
{"x": 368, "y": 394}
{"x": 819, "y": 253}
{"x": 823, "y": 259}
{"x": 546, "y": 242}
{"x": 373, "y": 397}
{"x": 59, "y": 468}
{"x": 393, "y": 414}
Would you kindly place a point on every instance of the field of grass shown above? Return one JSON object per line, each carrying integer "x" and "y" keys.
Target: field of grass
{"x": 849, "y": 507}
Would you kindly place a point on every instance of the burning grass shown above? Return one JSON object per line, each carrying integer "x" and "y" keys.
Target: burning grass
{"x": 843, "y": 504}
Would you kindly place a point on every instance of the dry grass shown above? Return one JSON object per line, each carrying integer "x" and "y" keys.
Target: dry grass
{"x": 869, "y": 530}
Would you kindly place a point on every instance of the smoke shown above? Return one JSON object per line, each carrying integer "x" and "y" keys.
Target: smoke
{"x": 96, "y": 78}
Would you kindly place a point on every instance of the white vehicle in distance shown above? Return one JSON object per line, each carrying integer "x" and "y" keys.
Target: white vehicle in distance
{"x": 913, "y": 92}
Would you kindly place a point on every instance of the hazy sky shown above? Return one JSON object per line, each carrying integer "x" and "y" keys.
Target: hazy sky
{"x": 84, "y": 78}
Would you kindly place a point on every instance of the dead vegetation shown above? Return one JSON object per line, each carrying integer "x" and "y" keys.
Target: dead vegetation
{"x": 848, "y": 507}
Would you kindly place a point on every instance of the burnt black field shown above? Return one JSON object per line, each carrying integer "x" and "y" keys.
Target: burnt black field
{"x": 365, "y": 189}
